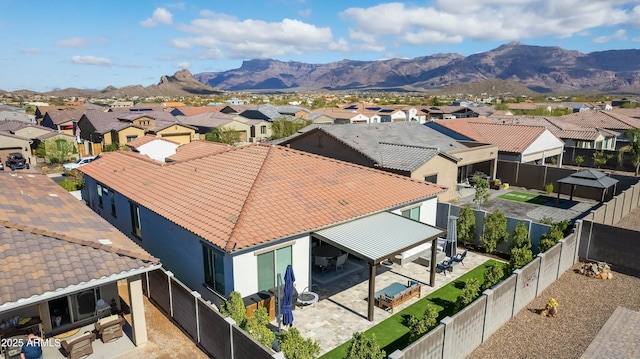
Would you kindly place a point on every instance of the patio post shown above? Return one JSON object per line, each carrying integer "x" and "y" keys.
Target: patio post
{"x": 432, "y": 265}
{"x": 372, "y": 290}
{"x": 138, "y": 322}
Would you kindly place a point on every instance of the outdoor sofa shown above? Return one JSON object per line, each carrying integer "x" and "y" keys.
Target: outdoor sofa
{"x": 397, "y": 293}
{"x": 79, "y": 346}
{"x": 423, "y": 250}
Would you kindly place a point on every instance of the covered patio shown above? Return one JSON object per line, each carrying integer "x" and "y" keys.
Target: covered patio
{"x": 379, "y": 237}
{"x": 589, "y": 178}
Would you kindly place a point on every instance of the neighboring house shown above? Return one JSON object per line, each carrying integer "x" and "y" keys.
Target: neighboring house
{"x": 232, "y": 220}
{"x": 206, "y": 122}
{"x": 341, "y": 116}
{"x": 10, "y": 113}
{"x": 63, "y": 120}
{"x": 59, "y": 258}
{"x": 609, "y": 120}
{"x": 517, "y": 143}
{"x": 408, "y": 149}
{"x": 41, "y": 110}
{"x": 121, "y": 104}
{"x": 26, "y": 137}
{"x": 193, "y": 110}
{"x": 577, "y": 106}
{"x": 154, "y": 147}
{"x": 10, "y": 143}
{"x": 449, "y": 112}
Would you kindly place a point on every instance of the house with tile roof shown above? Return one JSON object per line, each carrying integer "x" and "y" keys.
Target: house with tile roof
{"x": 449, "y": 112}
{"x": 609, "y": 120}
{"x": 249, "y": 130}
{"x": 232, "y": 220}
{"x": 156, "y": 148}
{"x": 18, "y": 136}
{"x": 59, "y": 258}
{"x": 406, "y": 148}
{"x": 524, "y": 144}
{"x": 63, "y": 120}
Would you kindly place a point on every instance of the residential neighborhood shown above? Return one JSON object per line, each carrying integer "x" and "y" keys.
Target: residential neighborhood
{"x": 192, "y": 209}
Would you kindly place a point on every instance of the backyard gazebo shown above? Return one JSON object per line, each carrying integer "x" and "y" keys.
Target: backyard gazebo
{"x": 588, "y": 178}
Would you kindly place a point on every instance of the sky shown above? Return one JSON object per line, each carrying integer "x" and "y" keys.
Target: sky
{"x": 45, "y": 45}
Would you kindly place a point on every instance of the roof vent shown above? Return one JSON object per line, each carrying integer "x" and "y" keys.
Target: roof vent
{"x": 343, "y": 202}
{"x": 53, "y": 195}
{"x": 105, "y": 242}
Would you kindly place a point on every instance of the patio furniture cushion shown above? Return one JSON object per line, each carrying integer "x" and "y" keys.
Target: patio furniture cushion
{"x": 79, "y": 346}
{"x": 110, "y": 328}
{"x": 397, "y": 293}
{"x": 422, "y": 250}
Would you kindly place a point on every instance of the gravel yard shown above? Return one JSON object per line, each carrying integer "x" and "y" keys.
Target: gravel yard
{"x": 585, "y": 305}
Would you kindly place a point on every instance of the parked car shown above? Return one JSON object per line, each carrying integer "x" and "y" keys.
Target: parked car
{"x": 16, "y": 161}
{"x": 1, "y": 166}
{"x": 81, "y": 162}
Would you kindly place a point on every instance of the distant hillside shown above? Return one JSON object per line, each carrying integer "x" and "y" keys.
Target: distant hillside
{"x": 182, "y": 83}
{"x": 538, "y": 68}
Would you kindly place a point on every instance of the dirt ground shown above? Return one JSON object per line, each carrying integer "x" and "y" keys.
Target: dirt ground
{"x": 166, "y": 340}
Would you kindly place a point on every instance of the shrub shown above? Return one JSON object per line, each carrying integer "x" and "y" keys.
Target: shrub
{"x": 520, "y": 257}
{"x": 579, "y": 160}
{"x": 493, "y": 275}
{"x": 362, "y": 347}
{"x": 520, "y": 236}
{"x": 71, "y": 185}
{"x": 495, "y": 230}
{"x": 470, "y": 292}
{"x": 557, "y": 231}
{"x": 234, "y": 308}
{"x": 466, "y": 225}
{"x": 257, "y": 327}
{"x": 548, "y": 188}
{"x": 294, "y": 346}
{"x": 420, "y": 326}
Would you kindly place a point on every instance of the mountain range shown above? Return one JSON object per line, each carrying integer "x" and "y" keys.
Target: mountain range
{"x": 539, "y": 68}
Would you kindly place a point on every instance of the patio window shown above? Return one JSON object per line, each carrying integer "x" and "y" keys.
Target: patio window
{"x": 135, "y": 220}
{"x": 109, "y": 193}
{"x": 270, "y": 264}
{"x": 412, "y": 213}
{"x": 213, "y": 269}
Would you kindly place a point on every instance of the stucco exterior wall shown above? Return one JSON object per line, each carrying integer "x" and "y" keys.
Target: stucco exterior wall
{"x": 428, "y": 210}
{"x": 324, "y": 145}
{"x": 447, "y": 172}
{"x": 178, "y": 133}
{"x": 128, "y": 132}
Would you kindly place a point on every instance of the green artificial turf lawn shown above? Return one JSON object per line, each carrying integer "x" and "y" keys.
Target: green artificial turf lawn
{"x": 526, "y": 197}
{"x": 391, "y": 334}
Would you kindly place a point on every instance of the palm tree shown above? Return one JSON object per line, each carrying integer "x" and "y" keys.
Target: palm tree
{"x": 633, "y": 148}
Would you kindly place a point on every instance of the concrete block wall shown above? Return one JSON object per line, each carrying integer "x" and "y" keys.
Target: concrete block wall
{"x": 428, "y": 347}
{"x": 567, "y": 252}
{"x": 526, "y": 284}
{"x": 609, "y": 208}
{"x": 463, "y": 331}
{"x": 499, "y": 308}
{"x": 549, "y": 262}
{"x": 617, "y": 213}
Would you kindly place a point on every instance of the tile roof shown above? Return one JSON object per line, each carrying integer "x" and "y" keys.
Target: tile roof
{"x": 208, "y": 119}
{"x": 50, "y": 241}
{"x": 51, "y": 134}
{"x": 602, "y": 119}
{"x": 509, "y": 138}
{"x": 463, "y": 126}
{"x": 252, "y": 194}
{"x": 65, "y": 115}
{"x": 559, "y": 128}
{"x": 196, "y": 149}
{"x": 631, "y": 112}
{"x": 193, "y": 110}
{"x": 412, "y": 143}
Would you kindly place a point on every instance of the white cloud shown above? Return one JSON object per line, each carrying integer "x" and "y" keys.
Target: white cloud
{"x": 72, "y": 42}
{"x": 182, "y": 65}
{"x": 224, "y": 35}
{"x": 160, "y": 16}
{"x": 31, "y": 50}
{"x": 91, "y": 60}
{"x": 452, "y": 21}
{"x": 618, "y": 35}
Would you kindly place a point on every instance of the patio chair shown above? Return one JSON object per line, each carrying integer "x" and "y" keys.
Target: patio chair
{"x": 78, "y": 347}
{"x": 110, "y": 328}
{"x": 322, "y": 263}
{"x": 459, "y": 258}
{"x": 340, "y": 261}
{"x": 445, "y": 266}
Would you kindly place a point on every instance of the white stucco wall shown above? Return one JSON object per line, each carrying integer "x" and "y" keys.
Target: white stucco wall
{"x": 245, "y": 265}
{"x": 428, "y": 210}
{"x": 546, "y": 142}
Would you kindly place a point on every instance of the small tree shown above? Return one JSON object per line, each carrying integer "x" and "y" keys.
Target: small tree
{"x": 234, "y": 308}
{"x": 520, "y": 257}
{"x": 493, "y": 275}
{"x": 225, "y": 135}
{"x": 482, "y": 191}
{"x": 495, "y": 230}
{"x": 548, "y": 188}
{"x": 362, "y": 347}
{"x": 57, "y": 150}
{"x": 633, "y": 148}
{"x": 294, "y": 346}
{"x": 257, "y": 327}
{"x": 579, "y": 160}
{"x": 470, "y": 292}
{"x": 520, "y": 236}
{"x": 420, "y": 326}
{"x": 283, "y": 127}
{"x": 466, "y": 225}
{"x": 600, "y": 158}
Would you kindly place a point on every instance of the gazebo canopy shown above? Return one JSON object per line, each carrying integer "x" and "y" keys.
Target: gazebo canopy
{"x": 588, "y": 178}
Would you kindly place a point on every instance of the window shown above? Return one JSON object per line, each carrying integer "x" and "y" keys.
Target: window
{"x": 432, "y": 178}
{"x": 263, "y": 130}
{"x": 107, "y": 192}
{"x": 213, "y": 269}
{"x": 135, "y": 220}
{"x": 99, "y": 195}
{"x": 270, "y": 264}
{"x": 131, "y": 138}
{"x": 413, "y": 213}
{"x": 61, "y": 145}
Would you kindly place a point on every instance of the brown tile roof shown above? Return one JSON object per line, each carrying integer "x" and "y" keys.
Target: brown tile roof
{"x": 49, "y": 240}
{"x": 66, "y": 115}
{"x": 196, "y": 149}
{"x": 252, "y": 194}
{"x": 559, "y": 128}
{"x": 192, "y": 110}
{"x": 463, "y": 127}
{"x": 602, "y": 119}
